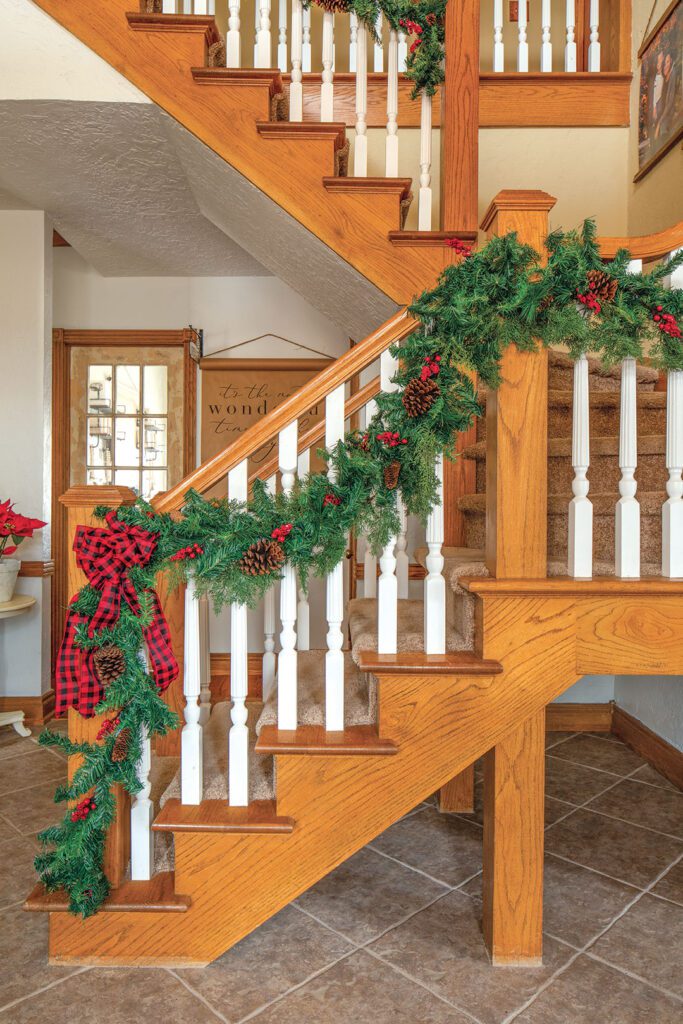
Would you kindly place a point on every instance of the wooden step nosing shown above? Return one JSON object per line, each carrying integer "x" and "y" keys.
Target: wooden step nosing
{"x": 452, "y": 664}
{"x": 369, "y": 186}
{"x": 599, "y": 585}
{"x": 430, "y": 238}
{"x": 315, "y": 131}
{"x": 239, "y": 77}
{"x": 202, "y": 24}
{"x": 40, "y": 901}
{"x": 177, "y": 817}
{"x": 354, "y": 741}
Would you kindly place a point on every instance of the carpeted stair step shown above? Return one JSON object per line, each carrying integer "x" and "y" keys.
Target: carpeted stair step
{"x": 474, "y": 508}
{"x": 604, "y": 454}
{"x": 602, "y": 378}
{"x": 362, "y": 619}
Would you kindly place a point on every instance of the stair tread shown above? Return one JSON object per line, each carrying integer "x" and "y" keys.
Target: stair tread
{"x": 418, "y": 663}
{"x": 154, "y": 896}
{"x": 141, "y": 21}
{"x": 360, "y": 698}
{"x": 430, "y": 238}
{"x": 369, "y": 186}
{"x": 314, "y": 739}
{"x": 362, "y": 619}
{"x": 270, "y": 77}
{"x": 605, "y": 444}
{"x": 218, "y": 816}
{"x": 304, "y": 130}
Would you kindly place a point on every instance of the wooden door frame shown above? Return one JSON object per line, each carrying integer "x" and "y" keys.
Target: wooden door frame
{"x": 62, "y": 342}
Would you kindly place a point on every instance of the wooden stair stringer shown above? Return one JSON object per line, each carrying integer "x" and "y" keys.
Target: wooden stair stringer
{"x": 440, "y": 723}
{"x": 159, "y": 59}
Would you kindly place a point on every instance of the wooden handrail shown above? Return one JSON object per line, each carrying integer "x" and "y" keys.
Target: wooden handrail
{"x": 314, "y": 435}
{"x": 337, "y": 373}
{"x": 644, "y": 247}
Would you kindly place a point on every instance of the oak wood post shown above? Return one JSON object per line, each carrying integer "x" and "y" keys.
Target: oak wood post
{"x": 514, "y": 782}
{"x": 517, "y": 422}
{"x": 80, "y": 503}
{"x": 457, "y": 796}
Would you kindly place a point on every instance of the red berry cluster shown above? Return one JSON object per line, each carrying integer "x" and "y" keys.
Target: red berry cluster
{"x": 666, "y": 322}
{"x": 82, "y": 810}
{"x": 431, "y": 367}
{"x": 331, "y": 499}
{"x": 414, "y": 29}
{"x": 589, "y": 301}
{"x": 461, "y": 248}
{"x": 281, "y": 533}
{"x": 391, "y": 440}
{"x": 108, "y": 726}
{"x": 190, "y": 552}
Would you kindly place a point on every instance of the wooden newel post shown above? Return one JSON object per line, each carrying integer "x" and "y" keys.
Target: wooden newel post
{"x": 516, "y": 548}
{"x": 80, "y": 503}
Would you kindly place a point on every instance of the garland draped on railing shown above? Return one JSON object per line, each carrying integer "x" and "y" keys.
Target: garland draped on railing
{"x": 491, "y": 299}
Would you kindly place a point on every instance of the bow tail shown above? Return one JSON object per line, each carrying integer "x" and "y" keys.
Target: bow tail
{"x": 76, "y": 685}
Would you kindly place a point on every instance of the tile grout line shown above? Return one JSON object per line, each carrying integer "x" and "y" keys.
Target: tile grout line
{"x": 418, "y": 871}
{"x": 592, "y": 941}
{"x": 44, "y": 988}
{"x": 592, "y": 768}
{"x": 197, "y": 995}
{"x": 316, "y": 974}
{"x": 584, "y": 805}
{"x": 636, "y": 977}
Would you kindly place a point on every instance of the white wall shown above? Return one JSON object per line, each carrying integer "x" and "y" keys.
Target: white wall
{"x": 656, "y": 701}
{"x": 25, "y": 347}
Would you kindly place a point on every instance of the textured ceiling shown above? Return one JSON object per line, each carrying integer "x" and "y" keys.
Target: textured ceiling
{"x": 111, "y": 181}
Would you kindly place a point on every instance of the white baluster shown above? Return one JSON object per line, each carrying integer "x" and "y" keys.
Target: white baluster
{"x": 191, "y": 758}
{"x": 360, "y": 148}
{"x": 232, "y": 38}
{"x": 334, "y": 658}
{"x": 334, "y": 46}
{"x": 197, "y": 7}
{"x": 570, "y": 47}
{"x": 402, "y": 560}
{"x": 287, "y": 660}
{"x": 168, "y": 7}
{"x": 435, "y": 584}
{"x": 282, "y": 37}
{"x": 204, "y": 660}
{"x": 672, "y": 510}
{"x": 238, "y": 739}
{"x": 306, "y": 41}
{"x": 369, "y": 559}
{"x": 498, "y": 44}
{"x": 269, "y": 658}
{"x": 424, "y": 214}
{"x": 257, "y": 25}
{"x": 522, "y": 43}
{"x": 546, "y": 44}
{"x": 580, "y": 552}
{"x": 327, "y": 86}
{"x": 594, "y": 44}
{"x": 402, "y": 51}
{"x": 263, "y": 59}
{"x": 296, "y": 90}
{"x": 353, "y": 43}
{"x": 378, "y": 48}
{"x": 627, "y": 522}
{"x": 303, "y": 611}
{"x": 141, "y": 815}
{"x": 392, "y": 107}
{"x": 387, "y": 585}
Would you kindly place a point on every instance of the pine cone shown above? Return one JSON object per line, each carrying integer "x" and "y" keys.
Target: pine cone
{"x": 419, "y": 395}
{"x": 391, "y": 475}
{"x": 119, "y": 752}
{"x": 109, "y": 663}
{"x": 333, "y": 6}
{"x": 603, "y": 287}
{"x": 545, "y": 303}
{"x": 263, "y": 558}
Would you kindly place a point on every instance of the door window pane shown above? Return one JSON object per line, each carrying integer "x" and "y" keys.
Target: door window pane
{"x": 99, "y": 441}
{"x": 128, "y": 478}
{"x": 155, "y": 389}
{"x": 153, "y": 482}
{"x": 98, "y": 477}
{"x": 154, "y": 450}
{"x": 128, "y": 390}
{"x": 127, "y": 449}
{"x": 99, "y": 389}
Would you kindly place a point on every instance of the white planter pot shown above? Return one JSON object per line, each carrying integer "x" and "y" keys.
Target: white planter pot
{"x": 9, "y": 570}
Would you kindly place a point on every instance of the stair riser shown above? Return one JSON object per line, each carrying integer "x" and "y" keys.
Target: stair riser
{"x": 603, "y": 536}
{"x": 604, "y": 470}
{"x": 603, "y": 422}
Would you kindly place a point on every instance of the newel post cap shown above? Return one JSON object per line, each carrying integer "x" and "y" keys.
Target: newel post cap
{"x": 522, "y": 200}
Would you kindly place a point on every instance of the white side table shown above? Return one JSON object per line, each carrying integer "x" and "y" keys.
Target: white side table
{"x": 8, "y": 609}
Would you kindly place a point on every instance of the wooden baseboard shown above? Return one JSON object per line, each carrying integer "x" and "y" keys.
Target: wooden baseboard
{"x": 220, "y": 677}
{"x": 579, "y": 717}
{"x": 37, "y": 710}
{"x": 660, "y": 754}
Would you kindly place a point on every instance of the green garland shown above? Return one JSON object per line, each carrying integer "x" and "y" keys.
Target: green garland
{"x": 423, "y": 22}
{"x": 493, "y": 298}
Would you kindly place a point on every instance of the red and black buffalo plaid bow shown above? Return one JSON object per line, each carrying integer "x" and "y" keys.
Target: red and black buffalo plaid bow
{"x": 105, "y": 555}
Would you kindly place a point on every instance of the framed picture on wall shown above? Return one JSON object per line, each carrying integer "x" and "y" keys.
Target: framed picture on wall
{"x": 660, "y": 110}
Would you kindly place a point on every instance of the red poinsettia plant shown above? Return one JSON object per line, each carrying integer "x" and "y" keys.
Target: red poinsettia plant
{"x": 14, "y": 528}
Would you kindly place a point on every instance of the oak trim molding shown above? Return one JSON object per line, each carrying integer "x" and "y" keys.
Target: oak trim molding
{"x": 644, "y": 247}
{"x": 38, "y": 710}
{"x": 568, "y": 717}
{"x": 667, "y": 759}
{"x": 34, "y": 570}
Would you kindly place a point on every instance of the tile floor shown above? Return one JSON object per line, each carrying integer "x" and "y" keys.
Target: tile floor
{"x": 394, "y": 934}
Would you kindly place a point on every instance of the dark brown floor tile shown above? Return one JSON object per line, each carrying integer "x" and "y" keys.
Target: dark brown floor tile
{"x": 651, "y": 806}
{"x": 616, "y": 848}
{"x": 596, "y": 752}
{"x": 31, "y": 810}
{"x": 648, "y": 941}
{"x": 577, "y": 903}
{"x": 553, "y": 738}
{"x": 591, "y": 993}
{"x": 443, "y": 948}
{"x": 556, "y": 809}
{"x": 649, "y": 774}
{"x": 367, "y": 894}
{"x": 23, "y": 955}
{"x": 12, "y": 744}
{"x": 671, "y": 885}
{"x": 7, "y": 830}
{"x": 280, "y": 954}
{"x": 30, "y": 769}
{"x": 113, "y": 996}
{"x": 361, "y": 990}
{"x": 574, "y": 783}
{"x": 444, "y": 846}
{"x": 17, "y": 874}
